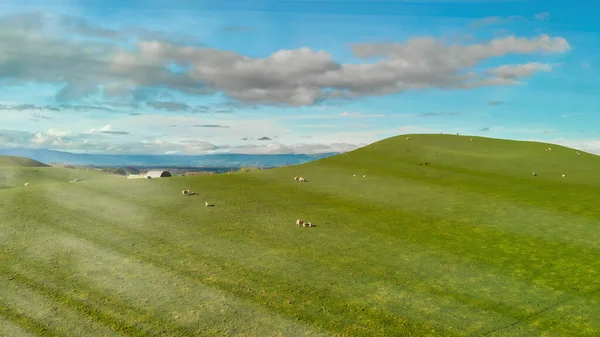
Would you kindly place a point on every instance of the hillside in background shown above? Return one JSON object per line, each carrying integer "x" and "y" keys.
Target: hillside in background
{"x": 222, "y": 160}
{"x": 436, "y": 235}
{"x": 14, "y": 161}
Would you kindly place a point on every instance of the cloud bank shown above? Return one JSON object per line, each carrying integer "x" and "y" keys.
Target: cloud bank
{"x": 131, "y": 66}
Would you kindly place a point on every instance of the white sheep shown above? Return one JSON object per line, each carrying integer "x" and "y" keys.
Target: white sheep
{"x": 364, "y": 175}
{"x": 27, "y": 185}
{"x": 564, "y": 175}
{"x": 578, "y": 153}
{"x": 301, "y": 179}
{"x": 354, "y": 175}
{"x": 407, "y": 138}
{"x": 470, "y": 139}
{"x": 308, "y": 224}
{"x": 534, "y": 174}
{"x": 185, "y": 192}
{"x": 296, "y": 178}
{"x": 299, "y": 222}
{"x": 208, "y": 205}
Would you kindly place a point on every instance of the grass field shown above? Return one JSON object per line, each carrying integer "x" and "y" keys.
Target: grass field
{"x": 470, "y": 245}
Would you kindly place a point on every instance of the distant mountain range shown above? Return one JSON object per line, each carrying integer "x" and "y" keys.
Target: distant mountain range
{"x": 211, "y": 160}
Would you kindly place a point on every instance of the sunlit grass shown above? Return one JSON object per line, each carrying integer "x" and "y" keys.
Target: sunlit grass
{"x": 471, "y": 244}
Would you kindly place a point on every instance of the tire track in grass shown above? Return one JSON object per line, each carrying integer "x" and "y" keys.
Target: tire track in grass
{"x": 23, "y": 322}
{"x": 107, "y": 308}
{"x": 40, "y": 311}
{"x": 10, "y": 329}
{"x": 240, "y": 248}
{"x": 249, "y": 274}
{"x": 130, "y": 280}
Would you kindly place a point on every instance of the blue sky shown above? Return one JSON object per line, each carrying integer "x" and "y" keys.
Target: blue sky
{"x": 294, "y": 76}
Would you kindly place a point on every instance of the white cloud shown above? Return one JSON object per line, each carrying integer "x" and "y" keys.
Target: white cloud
{"x": 57, "y": 133}
{"x": 542, "y": 16}
{"x": 107, "y": 127}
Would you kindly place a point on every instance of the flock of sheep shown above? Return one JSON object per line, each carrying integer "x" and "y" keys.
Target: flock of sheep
{"x": 300, "y": 222}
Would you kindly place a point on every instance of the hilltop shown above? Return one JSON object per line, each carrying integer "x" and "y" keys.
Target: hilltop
{"x": 443, "y": 236}
{"x": 13, "y": 161}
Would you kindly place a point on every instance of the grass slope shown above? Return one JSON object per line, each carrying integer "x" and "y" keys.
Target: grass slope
{"x": 471, "y": 244}
{"x": 12, "y": 161}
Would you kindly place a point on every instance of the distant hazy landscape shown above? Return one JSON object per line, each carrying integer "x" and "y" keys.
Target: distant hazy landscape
{"x": 212, "y": 160}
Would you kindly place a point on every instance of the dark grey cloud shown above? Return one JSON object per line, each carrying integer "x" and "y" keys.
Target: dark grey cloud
{"x": 223, "y": 111}
{"x": 99, "y": 64}
{"x": 494, "y": 103}
{"x": 264, "y": 138}
{"x": 169, "y": 106}
{"x": 210, "y": 126}
{"x": 37, "y": 115}
{"x": 200, "y": 109}
{"x": 484, "y": 129}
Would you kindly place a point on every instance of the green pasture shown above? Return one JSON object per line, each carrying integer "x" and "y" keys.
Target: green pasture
{"x": 471, "y": 244}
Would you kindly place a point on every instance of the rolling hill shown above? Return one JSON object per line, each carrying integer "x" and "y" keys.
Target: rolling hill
{"x": 13, "y": 161}
{"x": 469, "y": 244}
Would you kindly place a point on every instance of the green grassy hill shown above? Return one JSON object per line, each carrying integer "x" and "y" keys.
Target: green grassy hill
{"x": 12, "y": 161}
{"x": 471, "y": 244}
{"x": 16, "y": 171}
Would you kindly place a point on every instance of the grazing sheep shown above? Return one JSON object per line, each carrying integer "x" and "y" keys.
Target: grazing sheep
{"x": 564, "y": 175}
{"x": 549, "y": 149}
{"x": 299, "y": 222}
{"x": 27, "y": 185}
{"x": 578, "y": 153}
{"x": 354, "y": 175}
{"x": 185, "y": 192}
{"x": 296, "y": 178}
{"x": 364, "y": 176}
{"x": 208, "y": 205}
{"x": 407, "y": 138}
{"x": 301, "y": 179}
{"x": 308, "y": 224}
{"x": 470, "y": 139}
{"x": 534, "y": 174}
